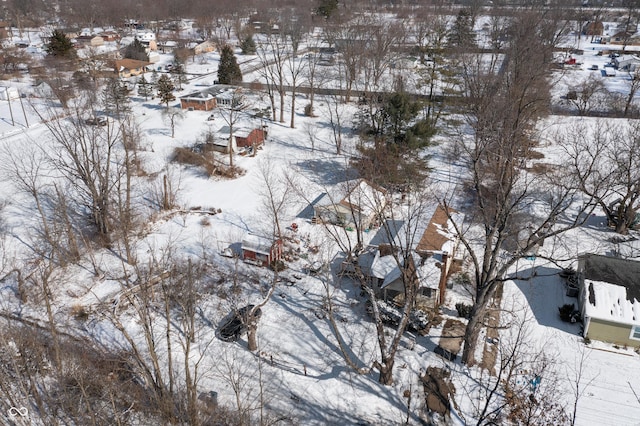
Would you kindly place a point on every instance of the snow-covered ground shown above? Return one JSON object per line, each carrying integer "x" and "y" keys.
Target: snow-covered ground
{"x": 298, "y": 362}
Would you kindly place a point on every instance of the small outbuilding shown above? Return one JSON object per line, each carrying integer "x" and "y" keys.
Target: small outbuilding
{"x": 260, "y": 250}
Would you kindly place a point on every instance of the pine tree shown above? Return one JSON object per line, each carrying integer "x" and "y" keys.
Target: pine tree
{"x": 326, "y": 8}
{"x": 136, "y": 50}
{"x": 248, "y": 46}
{"x": 154, "y": 77}
{"x": 178, "y": 73}
{"x": 461, "y": 34}
{"x": 228, "y": 69}
{"x": 60, "y": 45}
{"x": 165, "y": 90}
{"x": 114, "y": 97}
{"x": 145, "y": 88}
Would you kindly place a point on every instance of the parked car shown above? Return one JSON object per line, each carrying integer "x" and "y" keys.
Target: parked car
{"x": 594, "y": 67}
{"x": 96, "y": 121}
{"x": 211, "y": 117}
{"x": 235, "y": 325}
{"x": 227, "y": 252}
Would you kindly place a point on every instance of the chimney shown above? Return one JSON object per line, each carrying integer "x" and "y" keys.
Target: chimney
{"x": 442, "y": 285}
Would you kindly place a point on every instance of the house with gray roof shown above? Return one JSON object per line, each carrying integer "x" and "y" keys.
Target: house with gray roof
{"x": 609, "y": 298}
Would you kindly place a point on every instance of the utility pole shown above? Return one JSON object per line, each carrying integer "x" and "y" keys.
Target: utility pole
{"x": 26, "y": 121}
{"x": 6, "y": 89}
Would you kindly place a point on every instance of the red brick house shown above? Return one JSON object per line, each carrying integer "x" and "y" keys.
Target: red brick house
{"x": 198, "y": 101}
{"x": 206, "y": 99}
{"x": 255, "y": 138}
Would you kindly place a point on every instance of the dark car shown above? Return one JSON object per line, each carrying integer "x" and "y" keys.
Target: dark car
{"x": 235, "y": 323}
{"x": 96, "y": 121}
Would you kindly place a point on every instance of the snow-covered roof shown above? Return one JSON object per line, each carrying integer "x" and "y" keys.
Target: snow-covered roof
{"x": 356, "y": 194}
{"x": 218, "y": 91}
{"x": 440, "y": 234}
{"x": 610, "y": 302}
{"x": 612, "y": 287}
{"x": 383, "y": 267}
{"x": 145, "y": 36}
{"x": 389, "y": 233}
{"x": 427, "y": 270}
{"x": 241, "y": 132}
{"x": 257, "y": 244}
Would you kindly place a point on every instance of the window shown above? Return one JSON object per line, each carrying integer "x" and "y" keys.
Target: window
{"x": 635, "y": 332}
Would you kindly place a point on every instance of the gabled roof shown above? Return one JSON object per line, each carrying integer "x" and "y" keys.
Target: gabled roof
{"x": 130, "y": 64}
{"x": 427, "y": 271}
{"x": 361, "y": 195}
{"x": 440, "y": 233}
{"x": 388, "y": 233}
{"x": 257, "y": 244}
{"x": 215, "y": 91}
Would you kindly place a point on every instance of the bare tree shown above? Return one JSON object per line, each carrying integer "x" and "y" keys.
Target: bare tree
{"x": 351, "y": 42}
{"x": 296, "y": 68}
{"x": 86, "y": 159}
{"x": 173, "y": 117}
{"x": 587, "y": 95}
{"x": 335, "y": 110}
{"x": 230, "y": 113}
{"x": 576, "y": 376}
{"x": 401, "y": 249}
{"x": 383, "y": 37}
{"x": 505, "y": 102}
{"x": 437, "y": 73}
{"x": 314, "y": 76}
{"x": 273, "y": 54}
{"x": 634, "y": 85}
{"x": 524, "y": 389}
{"x": 605, "y": 162}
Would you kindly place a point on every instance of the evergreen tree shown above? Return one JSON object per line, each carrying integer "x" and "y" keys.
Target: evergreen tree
{"x": 145, "y": 88}
{"x": 60, "y": 45}
{"x": 178, "y": 72}
{"x": 248, "y": 45}
{"x": 115, "y": 97}
{"x": 228, "y": 69}
{"x": 136, "y": 50}
{"x": 165, "y": 90}
{"x": 461, "y": 34}
{"x": 326, "y": 8}
{"x": 154, "y": 77}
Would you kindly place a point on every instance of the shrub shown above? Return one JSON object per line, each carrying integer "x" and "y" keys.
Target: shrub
{"x": 566, "y": 312}
{"x": 308, "y": 110}
{"x": 278, "y": 265}
{"x": 79, "y": 312}
{"x": 464, "y": 310}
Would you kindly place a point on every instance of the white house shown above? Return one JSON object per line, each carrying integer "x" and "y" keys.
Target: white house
{"x": 627, "y": 62}
{"x": 7, "y": 93}
{"x": 354, "y": 203}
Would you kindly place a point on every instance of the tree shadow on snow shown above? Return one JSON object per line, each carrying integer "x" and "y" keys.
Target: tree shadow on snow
{"x": 327, "y": 172}
{"x": 545, "y": 292}
{"x": 154, "y": 106}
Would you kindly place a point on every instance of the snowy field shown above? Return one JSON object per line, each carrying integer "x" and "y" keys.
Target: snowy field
{"x": 304, "y": 377}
